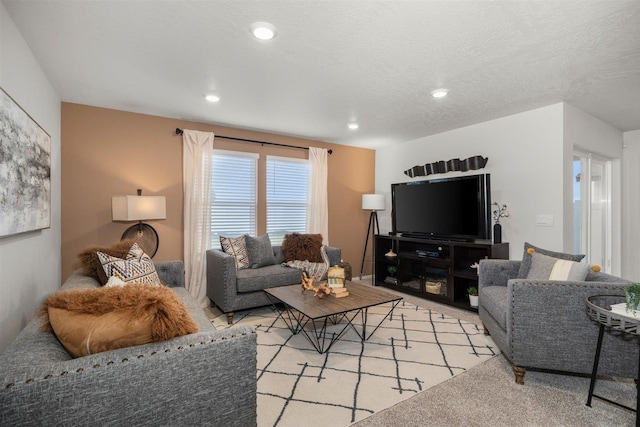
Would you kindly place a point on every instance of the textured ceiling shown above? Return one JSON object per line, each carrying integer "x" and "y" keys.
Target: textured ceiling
{"x": 374, "y": 62}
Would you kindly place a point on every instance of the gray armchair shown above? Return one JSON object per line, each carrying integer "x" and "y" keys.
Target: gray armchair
{"x": 542, "y": 324}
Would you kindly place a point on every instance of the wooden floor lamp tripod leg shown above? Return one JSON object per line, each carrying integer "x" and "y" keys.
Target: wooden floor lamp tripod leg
{"x": 373, "y": 223}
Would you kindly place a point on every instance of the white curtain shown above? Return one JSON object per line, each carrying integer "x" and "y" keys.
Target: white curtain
{"x": 197, "y": 150}
{"x": 318, "y": 210}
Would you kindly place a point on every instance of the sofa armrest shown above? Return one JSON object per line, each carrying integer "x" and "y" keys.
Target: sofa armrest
{"x": 221, "y": 278}
{"x": 171, "y": 273}
{"x": 167, "y": 383}
{"x": 547, "y": 321}
{"x": 78, "y": 280}
{"x": 531, "y": 302}
{"x": 497, "y": 272}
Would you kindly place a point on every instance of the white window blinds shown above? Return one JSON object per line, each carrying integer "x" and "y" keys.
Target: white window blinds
{"x": 234, "y": 195}
{"x": 287, "y": 186}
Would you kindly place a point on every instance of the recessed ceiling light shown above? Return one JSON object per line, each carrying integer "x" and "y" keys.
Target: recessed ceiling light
{"x": 212, "y": 98}
{"x": 353, "y": 126}
{"x": 440, "y": 93}
{"x": 263, "y": 30}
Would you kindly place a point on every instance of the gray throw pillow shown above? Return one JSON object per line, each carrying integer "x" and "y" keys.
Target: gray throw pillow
{"x": 260, "y": 251}
{"x": 544, "y": 267}
{"x": 525, "y": 265}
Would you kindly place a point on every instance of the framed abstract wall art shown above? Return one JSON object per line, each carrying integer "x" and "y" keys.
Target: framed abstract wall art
{"x": 25, "y": 171}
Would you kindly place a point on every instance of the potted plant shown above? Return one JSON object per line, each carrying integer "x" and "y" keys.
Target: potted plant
{"x": 473, "y": 296}
{"x": 391, "y": 278}
{"x": 632, "y": 295}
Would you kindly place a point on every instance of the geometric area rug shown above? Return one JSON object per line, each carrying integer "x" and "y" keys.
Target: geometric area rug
{"x": 413, "y": 350}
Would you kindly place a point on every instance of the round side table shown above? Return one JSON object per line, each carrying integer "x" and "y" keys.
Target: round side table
{"x": 599, "y": 310}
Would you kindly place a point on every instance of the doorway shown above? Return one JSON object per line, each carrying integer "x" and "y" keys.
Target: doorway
{"x": 592, "y": 208}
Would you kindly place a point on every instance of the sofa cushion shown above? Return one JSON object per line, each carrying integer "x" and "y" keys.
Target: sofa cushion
{"x": 237, "y": 248}
{"x": 302, "y": 247}
{"x": 252, "y": 280}
{"x": 260, "y": 251}
{"x": 89, "y": 321}
{"x": 90, "y": 263}
{"x": 494, "y": 300}
{"x": 544, "y": 267}
{"x": 136, "y": 268}
{"x": 525, "y": 265}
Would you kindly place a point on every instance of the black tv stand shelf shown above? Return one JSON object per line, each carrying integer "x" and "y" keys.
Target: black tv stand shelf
{"x": 435, "y": 269}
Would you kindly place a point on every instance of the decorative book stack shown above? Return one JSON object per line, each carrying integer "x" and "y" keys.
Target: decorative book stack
{"x": 336, "y": 282}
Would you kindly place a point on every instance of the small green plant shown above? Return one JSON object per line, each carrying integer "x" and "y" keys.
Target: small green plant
{"x": 472, "y": 290}
{"x": 632, "y": 294}
{"x": 391, "y": 270}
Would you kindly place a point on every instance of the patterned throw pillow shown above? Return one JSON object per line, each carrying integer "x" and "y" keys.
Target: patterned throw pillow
{"x": 525, "y": 265}
{"x": 137, "y": 268}
{"x": 90, "y": 263}
{"x": 544, "y": 267}
{"x": 237, "y": 248}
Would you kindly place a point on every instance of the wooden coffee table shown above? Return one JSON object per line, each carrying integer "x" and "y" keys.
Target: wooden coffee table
{"x": 311, "y": 315}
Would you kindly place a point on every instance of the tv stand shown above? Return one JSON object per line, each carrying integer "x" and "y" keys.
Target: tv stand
{"x": 439, "y": 270}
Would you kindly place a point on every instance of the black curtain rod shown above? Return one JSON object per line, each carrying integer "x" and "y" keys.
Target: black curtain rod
{"x": 180, "y": 132}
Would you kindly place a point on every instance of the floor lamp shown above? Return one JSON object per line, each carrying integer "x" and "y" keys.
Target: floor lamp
{"x": 373, "y": 203}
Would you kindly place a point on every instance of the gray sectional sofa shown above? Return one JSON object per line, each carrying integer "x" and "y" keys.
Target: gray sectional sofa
{"x": 206, "y": 378}
{"x": 542, "y": 324}
{"x": 233, "y": 290}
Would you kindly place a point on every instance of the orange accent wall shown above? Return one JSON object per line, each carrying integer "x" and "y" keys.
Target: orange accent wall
{"x": 109, "y": 152}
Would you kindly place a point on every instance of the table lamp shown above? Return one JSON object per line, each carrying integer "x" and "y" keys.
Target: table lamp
{"x": 140, "y": 208}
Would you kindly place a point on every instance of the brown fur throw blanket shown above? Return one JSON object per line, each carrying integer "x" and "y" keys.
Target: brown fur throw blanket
{"x": 302, "y": 247}
{"x": 88, "y": 321}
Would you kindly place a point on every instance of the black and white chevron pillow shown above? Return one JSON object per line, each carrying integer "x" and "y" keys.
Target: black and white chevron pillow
{"x": 236, "y": 247}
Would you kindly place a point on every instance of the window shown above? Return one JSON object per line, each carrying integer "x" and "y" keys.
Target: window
{"x": 287, "y": 185}
{"x": 234, "y": 194}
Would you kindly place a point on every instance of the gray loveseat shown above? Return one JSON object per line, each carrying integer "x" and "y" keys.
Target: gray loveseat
{"x": 206, "y": 378}
{"x": 543, "y": 324}
{"x": 233, "y": 290}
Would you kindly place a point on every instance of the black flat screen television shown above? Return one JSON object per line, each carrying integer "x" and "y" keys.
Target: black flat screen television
{"x": 449, "y": 208}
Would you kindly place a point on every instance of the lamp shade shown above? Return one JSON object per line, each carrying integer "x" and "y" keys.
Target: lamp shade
{"x": 373, "y": 202}
{"x": 138, "y": 208}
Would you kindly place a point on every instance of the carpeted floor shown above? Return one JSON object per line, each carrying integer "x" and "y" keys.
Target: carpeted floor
{"x": 487, "y": 395}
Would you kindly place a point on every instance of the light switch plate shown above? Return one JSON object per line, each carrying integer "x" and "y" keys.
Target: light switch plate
{"x": 544, "y": 220}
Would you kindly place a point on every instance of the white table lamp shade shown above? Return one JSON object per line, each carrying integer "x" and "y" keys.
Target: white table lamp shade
{"x": 373, "y": 202}
{"x": 138, "y": 208}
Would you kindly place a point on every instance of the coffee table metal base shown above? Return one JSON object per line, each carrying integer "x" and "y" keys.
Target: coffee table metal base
{"x": 316, "y": 329}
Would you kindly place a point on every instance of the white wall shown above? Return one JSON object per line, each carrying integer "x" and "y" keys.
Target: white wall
{"x": 530, "y": 162}
{"x": 631, "y": 206}
{"x": 29, "y": 262}
{"x": 525, "y": 154}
